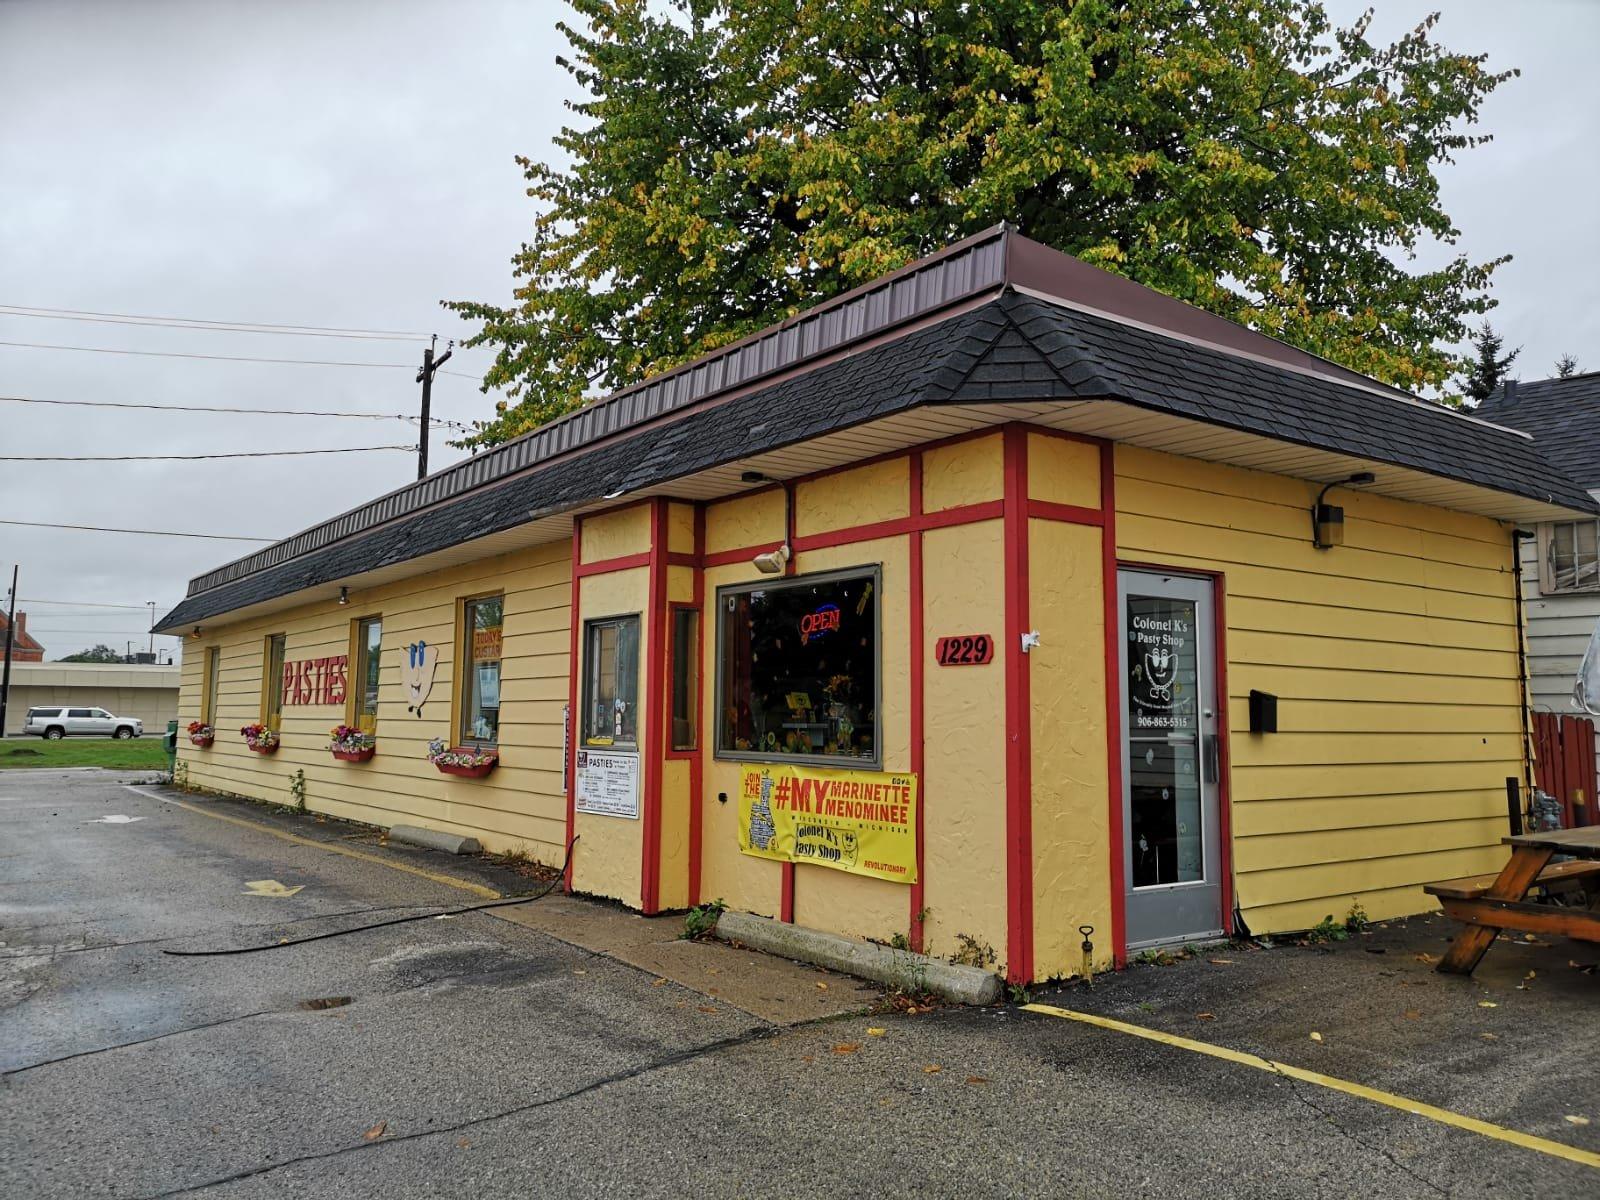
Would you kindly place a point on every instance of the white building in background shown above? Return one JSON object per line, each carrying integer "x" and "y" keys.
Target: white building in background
{"x": 147, "y": 692}
{"x": 1561, "y": 564}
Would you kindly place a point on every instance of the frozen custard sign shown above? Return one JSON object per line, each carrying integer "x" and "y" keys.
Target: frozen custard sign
{"x": 1161, "y": 665}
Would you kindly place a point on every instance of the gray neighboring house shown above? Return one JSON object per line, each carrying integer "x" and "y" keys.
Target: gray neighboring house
{"x": 1561, "y": 565}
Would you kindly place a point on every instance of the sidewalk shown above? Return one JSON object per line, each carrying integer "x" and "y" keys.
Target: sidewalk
{"x": 773, "y": 989}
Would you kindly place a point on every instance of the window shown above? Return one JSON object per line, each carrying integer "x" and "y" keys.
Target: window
{"x": 79, "y": 713}
{"x": 685, "y": 678}
{"x": 1571, "y": 559}
{"x": 611, "y": 683}
{"x": 100, "y": 712}
{"x": 797, "y": 667}
{"x": 482, "y": 622}
{"x": 272, "y": 683}
{"x": 208, "y": 696}
{"x": 368, "y": 640}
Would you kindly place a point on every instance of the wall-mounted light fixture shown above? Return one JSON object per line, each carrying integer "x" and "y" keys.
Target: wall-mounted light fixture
{"x": 773, "y": 561}
{"x": 754, "y": 477}
{"x": 344, "y": 595}
{"x": 1327, "y": 520}
{"x": 196, "y": 631}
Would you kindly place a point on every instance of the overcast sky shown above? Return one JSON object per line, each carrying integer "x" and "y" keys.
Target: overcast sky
{"x": 350, "y": 165}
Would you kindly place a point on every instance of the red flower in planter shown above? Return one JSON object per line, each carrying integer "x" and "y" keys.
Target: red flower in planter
{"x": 259, "y": 738}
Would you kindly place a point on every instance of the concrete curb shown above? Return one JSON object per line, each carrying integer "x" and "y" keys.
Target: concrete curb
{"x": 882, "y": 964}
{"x": 450, "y": 843}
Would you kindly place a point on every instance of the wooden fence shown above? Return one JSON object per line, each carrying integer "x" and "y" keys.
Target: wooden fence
{"x": 1564, "y": 764}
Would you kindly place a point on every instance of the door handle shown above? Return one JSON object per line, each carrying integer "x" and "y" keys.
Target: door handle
{"x": 1210, "y": 758}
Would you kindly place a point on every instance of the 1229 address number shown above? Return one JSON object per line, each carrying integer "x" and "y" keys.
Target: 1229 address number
{"x": 964, "y": 650}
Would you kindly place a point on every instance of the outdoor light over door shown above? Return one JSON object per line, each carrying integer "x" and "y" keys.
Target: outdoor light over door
{"x": 1327, "y": 520}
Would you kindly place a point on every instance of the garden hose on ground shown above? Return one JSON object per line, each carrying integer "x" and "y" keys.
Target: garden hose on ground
{"x": 427, "y": 916}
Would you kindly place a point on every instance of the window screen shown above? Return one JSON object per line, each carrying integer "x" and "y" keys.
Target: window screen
{"x": 611, "y": 683}
{"x": 798, "y": 668}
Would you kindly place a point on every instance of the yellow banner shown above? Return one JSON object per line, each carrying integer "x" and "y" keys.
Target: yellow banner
{"x": 863, "y": 822}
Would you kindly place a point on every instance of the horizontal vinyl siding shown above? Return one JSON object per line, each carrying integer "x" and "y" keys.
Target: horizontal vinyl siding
{"x": 1394, "y": 658}
{"x": 522, "y": 804}
{"x": 1559, "y": 628}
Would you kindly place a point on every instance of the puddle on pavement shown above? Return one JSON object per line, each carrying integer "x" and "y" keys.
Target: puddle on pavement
{"x": 322, "y": 1002}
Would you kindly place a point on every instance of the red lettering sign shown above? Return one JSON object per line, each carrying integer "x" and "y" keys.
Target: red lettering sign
{"x": 315, "y": 680}
{"x": 964, "y": 650}
{"x": 824, "y": 620}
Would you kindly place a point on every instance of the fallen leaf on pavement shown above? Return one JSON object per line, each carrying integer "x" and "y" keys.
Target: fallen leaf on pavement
{"x": 1571, "y": 1119}
{"x": 847, "y": 1047}
{"x": 579, "y": 971}
{"x": 976, "y": 1079}
{"x": 1425, "y": 957}
{"x": 375, "y": 1132}
{"x": 808, "y": 1058}
{"x": 1221, "y": 962}
{"x": 932, "y": 1069}
{"x": 875, "y": 1031}
{"x": 659, "y": 983}
{"x": 1411, "y": 1014}
{"x": 463, "y": 1143}
{"x": 1205, "y": 1016}
{"x": 822, "y": 987}
{"x": 707, "y": 1008}
{"x": 1490, "y": 1037}
{"x": 1315, "y": 1036}
{"x": 1487, "y": 1004}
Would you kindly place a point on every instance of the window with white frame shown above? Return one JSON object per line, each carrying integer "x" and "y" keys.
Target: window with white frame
{"x": 1569, "y": 556}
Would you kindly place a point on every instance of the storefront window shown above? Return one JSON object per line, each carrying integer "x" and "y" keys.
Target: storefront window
{"x": 272, "y": 683}
{"x": 611, "y": 698}
{"x": 368, "y": 640}
{"x": 685, "y": 678}
{"x": 482, "y": 622}
{"x": 798, "y": 668}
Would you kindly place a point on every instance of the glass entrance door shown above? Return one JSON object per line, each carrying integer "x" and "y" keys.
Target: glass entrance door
{"x": 1173, "y": 859}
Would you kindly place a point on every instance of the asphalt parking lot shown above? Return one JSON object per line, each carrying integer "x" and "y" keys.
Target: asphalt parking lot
{"x": 487, "y": 1057}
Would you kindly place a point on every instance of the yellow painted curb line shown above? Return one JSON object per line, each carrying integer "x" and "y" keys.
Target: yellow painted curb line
{"x": 477, "y": 889}
{"x": 1443, "y": 1115}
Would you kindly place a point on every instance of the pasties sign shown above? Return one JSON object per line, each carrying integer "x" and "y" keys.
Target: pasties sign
{"x": 315, "y": 680}
{"x": 862, "y": 822}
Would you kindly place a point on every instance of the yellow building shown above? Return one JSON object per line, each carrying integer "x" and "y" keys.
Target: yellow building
{"x": 1005, "y": 596}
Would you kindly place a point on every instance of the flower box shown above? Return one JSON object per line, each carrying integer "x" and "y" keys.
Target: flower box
{"x": 202, "y": 739}
{"x": 466, "y": 772}
{"x": 361, "y": 755}
{"x": 263, "y": 747}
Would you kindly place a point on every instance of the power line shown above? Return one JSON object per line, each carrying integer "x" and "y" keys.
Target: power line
{"x": 84, "y": 604}
{"x": 208, "y": 325}
{"x": 303, "y": 362}
{"x": 221, "y": 537}
{"x": 206, "y": 408}
{"x": 192, "y": 457}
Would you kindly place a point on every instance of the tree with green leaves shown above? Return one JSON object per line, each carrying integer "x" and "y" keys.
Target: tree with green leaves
{"x": 734, "y": 161}
{"x": 1566, "y": 366}
{"x": 1486, "y": 372}
{"x": 96, "y": 654}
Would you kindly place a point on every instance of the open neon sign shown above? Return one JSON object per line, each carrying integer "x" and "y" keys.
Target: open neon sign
{"x": 819, "y": 622}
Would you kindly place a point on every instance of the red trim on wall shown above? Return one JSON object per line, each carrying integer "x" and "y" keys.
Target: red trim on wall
{"x": 1113, "y": 689}
{"x": 787, "y": 874}
{"x": 571, "y": 765}
{"x": 654, "y": 749}
{"x": 697, "y": 761}
{"x": 1071, "y": 513}
{"x": 606, "y": 565}
{"x": 739, "y": 554}
{"x": 1019, "y": 739}
{"x": 954, "y": 439}
{"x": 917, "y": 683}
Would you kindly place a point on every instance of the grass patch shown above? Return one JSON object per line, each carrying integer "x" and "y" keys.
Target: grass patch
{"x": 133, "y": 754}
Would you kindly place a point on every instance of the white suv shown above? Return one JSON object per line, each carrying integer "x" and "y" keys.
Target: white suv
{"x": 55, "y": 721}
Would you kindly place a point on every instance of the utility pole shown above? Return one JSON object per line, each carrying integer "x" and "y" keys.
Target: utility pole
{"x": 5, "y": 672}
{"x": 425, "y": 378}
{"x": 151, "y": 604}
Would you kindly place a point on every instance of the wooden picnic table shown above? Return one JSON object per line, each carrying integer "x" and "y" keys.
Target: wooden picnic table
{"x": 1487, "y": 904}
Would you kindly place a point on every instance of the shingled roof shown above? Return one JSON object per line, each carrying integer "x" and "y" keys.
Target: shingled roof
{"x": 973, "y": 327}
{"x": 1563, "y": 415}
